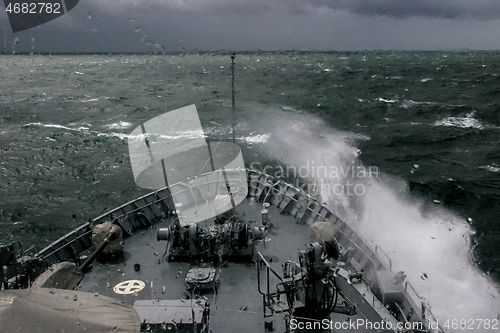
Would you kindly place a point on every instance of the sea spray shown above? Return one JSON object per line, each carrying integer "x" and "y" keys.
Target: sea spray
{"x": 432, "y": 246}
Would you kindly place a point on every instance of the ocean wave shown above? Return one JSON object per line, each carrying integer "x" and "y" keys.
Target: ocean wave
{"x": 84, "y": 100}
{"x": 78, "y": 129}
{"x": 122, "y": 136}
{"x": 408, "y": 103}
{"x": 260, "y": 138}
{"x": 492, "y": 168}
{"x": 85, "y": 130}
{"x": 118, "y": 125}
{"x": 380, "y": 99}
{"x": 463, "y": 122}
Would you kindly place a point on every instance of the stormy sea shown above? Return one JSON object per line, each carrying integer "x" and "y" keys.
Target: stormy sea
{"x": 404, "y": 146}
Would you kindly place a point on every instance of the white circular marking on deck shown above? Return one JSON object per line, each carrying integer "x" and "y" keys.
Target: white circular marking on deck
{"x": 129, "y": 287}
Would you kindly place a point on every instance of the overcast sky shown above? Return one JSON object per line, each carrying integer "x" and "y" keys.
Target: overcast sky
{"x": 248, "y": 25}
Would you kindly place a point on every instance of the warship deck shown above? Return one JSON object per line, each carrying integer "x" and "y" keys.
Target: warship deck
{"x": 236, "y": 306}
{"x": 145, "y": 276}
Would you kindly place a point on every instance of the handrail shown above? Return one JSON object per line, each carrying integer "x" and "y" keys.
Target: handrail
{"x": 359, "y": 248}
{"x": 156, "y": 200}
{"x": 413, "y": 289}
{"x": 385, "y": 254}
{"x": 401, "y": 311}
{"x": 68, "y": 243}
{"x": 272, "y": 186}
{"x": 160, "y": 199}
{"x": 269, "y": 266}
{"x": 133, "y": 210}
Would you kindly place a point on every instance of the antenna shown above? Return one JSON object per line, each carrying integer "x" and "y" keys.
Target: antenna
{"x": 233, "y": 55}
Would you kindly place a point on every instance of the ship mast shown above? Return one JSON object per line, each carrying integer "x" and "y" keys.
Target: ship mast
{"x": 233, "y": 55}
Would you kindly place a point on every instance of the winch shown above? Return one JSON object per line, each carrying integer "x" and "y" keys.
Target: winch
{"x": 201, "y": 278}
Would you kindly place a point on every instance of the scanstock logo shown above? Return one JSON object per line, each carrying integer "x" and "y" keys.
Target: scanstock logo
{"x": 205, "y": 179}
{"x": 26, "y": 14}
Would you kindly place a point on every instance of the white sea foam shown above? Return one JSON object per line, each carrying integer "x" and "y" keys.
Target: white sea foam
{"x": 491, "y": 168}
{"x": 118, "y": 125}
{"x": 78, "y": 129}
{"x": 86, "y": 100}
{"x": 408, "y": 103}
{"x": 380, "y": 99}
{"x": 431, "y": 246}
{"x": 434, "y": 250}
{"x": 86, "y": 130}
{"x": 260, "y": 138}
{"x": 463, "y": 122}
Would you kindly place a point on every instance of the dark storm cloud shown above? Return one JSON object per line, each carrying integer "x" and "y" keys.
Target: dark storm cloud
{"x": 450, "y": 9}
{"x": 212, "y": 7}
{"x": 180, "y": 25}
